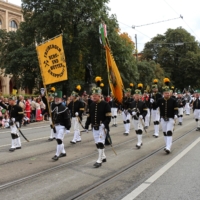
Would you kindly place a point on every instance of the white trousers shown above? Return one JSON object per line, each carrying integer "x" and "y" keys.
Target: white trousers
{"x": 76, "y": 129}
{"x": 126, "y": 116}
{"x": 155, "y": 114}
{"x": 197, "y": 113}
{"x": 15, "y": 142}
{"x": 187, "y": 108}
{"x": 167, "y": 125}
{"x": 14, "y": 129}
{"x": 137, "y": 124}
{"x": 147, "y": 117}
{"x": 180, "y": 111}
{"x": 99, "y": 135}
{"x": 114, "y": 112}
{"x": 60, "y": 133}
{"x": 114, "y": 115}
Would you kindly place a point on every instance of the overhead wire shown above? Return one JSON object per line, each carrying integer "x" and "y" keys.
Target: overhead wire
{"x": 182, "y": 18}
{"x": 150, "y": 37}
{"x": 158, "y": 22}
{"x": 174, "y": 43}
{"x": 134, "y": 29}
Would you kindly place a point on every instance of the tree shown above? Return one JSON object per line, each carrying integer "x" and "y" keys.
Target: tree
{"x": 78, "y": 21}
{"x": 171, "y": 50}
{"x": 148, "y": 71}
{"x": 17, "y": 60}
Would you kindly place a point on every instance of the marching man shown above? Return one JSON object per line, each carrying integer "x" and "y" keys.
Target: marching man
{"x": 126, "y": 108}
{"x": 181, "y": 103}
{"x": 139, "y": 109}
{"x": 196, "y": 108}
{"x": 99, "y": 117}
{"x": 76, "y": 108}
{"x": 168, "y": 112}
{"x": 145, "y": 99}
{"x": 155, "y": 111}
{"x": 16, "y": 115}
{"x": 114, "y": 108}
{"x": 187, "y": 98}
{"x": 61, "y": 120}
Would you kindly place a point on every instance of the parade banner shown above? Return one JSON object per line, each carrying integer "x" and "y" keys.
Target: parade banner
{"x": 114, "y": 77}
{"x": 52, "y": 61}
{"x": 14, "y": 91}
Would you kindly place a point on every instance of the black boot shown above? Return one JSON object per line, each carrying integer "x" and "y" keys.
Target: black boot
{"x": 62, "y": 155}
{"x": 55, "y": 158}
{"x": 97, "y": 165}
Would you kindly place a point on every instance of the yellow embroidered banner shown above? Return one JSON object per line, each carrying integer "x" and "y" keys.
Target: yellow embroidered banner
{"x": 114, "y": 77}
{"x": 14, "y": 91}
{"x": 52, "y": 61}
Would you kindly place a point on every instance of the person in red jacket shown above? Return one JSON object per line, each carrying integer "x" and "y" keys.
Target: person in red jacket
{"x": 27, "y": 108}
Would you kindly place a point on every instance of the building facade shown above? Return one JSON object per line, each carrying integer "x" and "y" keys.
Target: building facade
{"x": 10, "y": 18}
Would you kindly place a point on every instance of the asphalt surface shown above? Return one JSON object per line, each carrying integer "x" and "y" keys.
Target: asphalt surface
{"x": 30, "y": 173}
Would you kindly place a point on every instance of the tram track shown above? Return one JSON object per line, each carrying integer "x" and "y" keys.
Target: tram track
{"x": 3, "y": 186}
{"x": 121, "y": 172}
{"x": 52, "y": 151}
{"x": 98, "y": 184}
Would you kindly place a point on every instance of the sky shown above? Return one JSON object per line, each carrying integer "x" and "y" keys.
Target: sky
{"x": 141, "y": 12}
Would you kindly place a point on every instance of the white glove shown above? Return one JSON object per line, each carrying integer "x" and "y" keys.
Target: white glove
{"x": 40, "y": 115}
{"x": 76, "y": 113}
{"x": 133, "y": 113}
{"x": 151, "y": 100}
{"x": 102, "y": 126}
{"x": 141, "y": 117}
{"x": 175, "y": 117}
{"x": 13, "y": 119}
{"x": 67, "y": 132}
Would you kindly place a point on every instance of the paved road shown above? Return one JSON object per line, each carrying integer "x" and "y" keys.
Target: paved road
{"x": 30, "y": 173}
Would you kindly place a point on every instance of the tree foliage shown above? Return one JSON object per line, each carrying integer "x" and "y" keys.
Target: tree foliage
{"x": 148, "y": 71}
{"x": 78, "y": 21}
{"x": 177, "y": 52}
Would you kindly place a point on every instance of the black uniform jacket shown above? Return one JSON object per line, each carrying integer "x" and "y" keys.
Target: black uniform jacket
{"x": 126, "y": 105}
{"x": 99, "y": 112}
{"x": 146, "y": 100}
{"x": 140, "y": 108}
{"x": 168, "y": 108}
{"x": 196, "y": 104}
{"x": 113, "y": 104}
{"x": 61, "y": 115}
{"x": 76, "y": 106}
{"x": 14, "y": 111}
{"x": 155, "y": 97}
{"x": 180, "y": 102}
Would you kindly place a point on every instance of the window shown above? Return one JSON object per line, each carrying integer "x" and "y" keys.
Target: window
{"x": 12, "y": 26}
{"x": 0, "y": 24}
